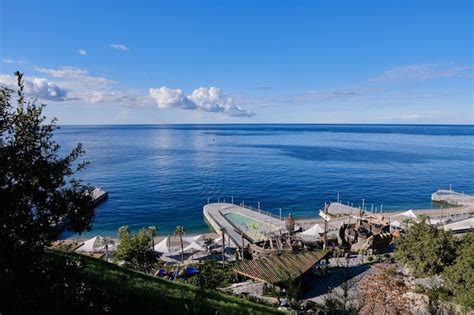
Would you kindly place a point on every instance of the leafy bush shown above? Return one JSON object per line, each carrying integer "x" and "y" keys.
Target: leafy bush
{"x": 135, "y": 250}
{"x": 212, "y": 276}
{"x": 426, "y": 250}
{"x": 459, "y": 278}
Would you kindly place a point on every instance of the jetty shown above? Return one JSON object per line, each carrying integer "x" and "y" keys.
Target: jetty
{"x": 98, "y": 195}
{"x": 241, "y": 222}
{"x": 451, "y": 197}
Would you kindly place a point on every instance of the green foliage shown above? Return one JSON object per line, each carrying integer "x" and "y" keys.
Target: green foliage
{"x": 180, "y": 231}
{"x": 135, "y": 250}
{"x": 212, "y": 276}
{"x": 294, "y": 292}
{"x": 152, "y": 232}
{"x": 90, "y": 286}
{"x": 37, "y": 187}
{"x": 459, "y": 278}
{"x": 425, "y": 249}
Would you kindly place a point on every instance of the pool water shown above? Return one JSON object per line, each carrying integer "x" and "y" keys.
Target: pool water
{"x": 253, "y": 228}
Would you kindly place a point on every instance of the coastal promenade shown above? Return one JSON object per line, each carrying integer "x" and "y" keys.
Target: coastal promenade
{"x": 215, "y": 215}
{"x": 339, "y": 208}
{"x": 453, "y": 198}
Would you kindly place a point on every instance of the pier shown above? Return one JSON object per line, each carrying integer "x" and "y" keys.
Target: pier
{"x": 453, "y": 198}
{"x": 253, "y": 222}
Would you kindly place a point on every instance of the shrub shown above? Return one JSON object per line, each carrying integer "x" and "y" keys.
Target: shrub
{"x": 426, "y": 250}
{"x": 459, "y": 278}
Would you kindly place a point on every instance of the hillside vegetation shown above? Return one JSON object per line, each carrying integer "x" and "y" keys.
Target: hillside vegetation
{"x": 126, "y": 290}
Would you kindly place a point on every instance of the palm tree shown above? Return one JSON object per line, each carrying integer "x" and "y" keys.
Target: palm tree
{"x": 208, "y": 242}
{"x": 223, "y": 230}
{"x": 180, "y": 231}
{"x": 152, "y": 231}
{"x": 106, "y": 241}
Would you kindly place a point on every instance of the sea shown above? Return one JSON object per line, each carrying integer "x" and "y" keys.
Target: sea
{"x": 163, "y": 175}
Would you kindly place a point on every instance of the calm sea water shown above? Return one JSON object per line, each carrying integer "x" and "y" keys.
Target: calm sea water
{"x": 162, "y": 175}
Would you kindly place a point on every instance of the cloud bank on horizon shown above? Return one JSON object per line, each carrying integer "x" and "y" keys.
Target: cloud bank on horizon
{"x": 211, "y": 100}
{"x": 76, "y": 84}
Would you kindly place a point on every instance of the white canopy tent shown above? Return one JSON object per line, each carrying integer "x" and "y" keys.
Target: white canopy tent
{"x": 92, "y": 245}
{"x": 193, "y": 247}
{"x": 408, "y": 214}
{"x": 192, "y": 239}
{"x": 163, "y": 246}
{"x": 313, "y": 233}
{"x": 315, "y": 230}
{"x": 395, "y": 224}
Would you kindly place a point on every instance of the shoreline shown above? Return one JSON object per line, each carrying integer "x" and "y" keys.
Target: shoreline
{"x": 304, "y": 222}
{"x": 435, "y": 213}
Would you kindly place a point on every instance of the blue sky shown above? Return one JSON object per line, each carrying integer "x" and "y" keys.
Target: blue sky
{"x": 112, "y": 62}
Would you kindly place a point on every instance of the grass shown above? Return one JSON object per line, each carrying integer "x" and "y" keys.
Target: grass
{"x": 133, "y": 292}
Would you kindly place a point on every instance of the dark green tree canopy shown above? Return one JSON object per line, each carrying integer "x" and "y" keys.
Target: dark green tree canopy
{"x": 38, "y": 190}
{"x": 426, "y": 250}
{"x": 459, "y": 278}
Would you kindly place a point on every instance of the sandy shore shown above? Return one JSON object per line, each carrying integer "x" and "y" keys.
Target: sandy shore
{"x": 174, "y": 240}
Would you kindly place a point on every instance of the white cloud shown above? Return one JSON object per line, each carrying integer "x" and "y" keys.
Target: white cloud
{"x": 92, "y": 89}
{"x": 82, "y": 52}
{"x": 202, "y": 99}
{"x": 166, "y": 98}
{"x": 18, "y": 61}
{"x": 402, "y": 117}
{"x": 423, "y": 72}
{"x": 76, "y": 76}
{"x": 324, "y": 95}
{"x": 119, "y": 47}
{"x": 36, "y": 87}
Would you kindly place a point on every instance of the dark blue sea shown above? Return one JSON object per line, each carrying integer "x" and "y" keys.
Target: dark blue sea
{"x": 162, "y": 175}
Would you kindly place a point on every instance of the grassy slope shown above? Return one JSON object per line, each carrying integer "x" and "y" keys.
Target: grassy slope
{"x": 137, "y": 292}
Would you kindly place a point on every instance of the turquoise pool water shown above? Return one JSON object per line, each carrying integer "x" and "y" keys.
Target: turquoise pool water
{"x": 253, "y": 228}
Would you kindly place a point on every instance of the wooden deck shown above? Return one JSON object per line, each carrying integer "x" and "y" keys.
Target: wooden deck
{"x": 279, "y": 268}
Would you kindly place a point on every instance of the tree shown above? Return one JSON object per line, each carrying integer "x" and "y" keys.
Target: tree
{"x": 135, "y": 249}
{"x": 38, "y": 191}
{"x": 106, "y": 241}
{"x": 223, "y": 230}
{"x": 152, "y": 231}
{"x": 425, "y": 249}
{"x": 209, "y": 242}
{"x": 211, "y": 276}
{"x": 459, "y": 278}
{"x": 180, "y": 231}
